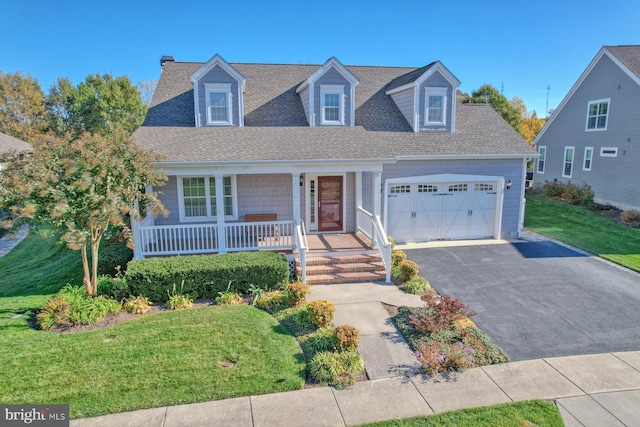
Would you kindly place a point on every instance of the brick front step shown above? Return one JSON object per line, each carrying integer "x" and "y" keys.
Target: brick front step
{"x": 333, "y": 269}
{"x": 340, "y": 259}
{"x": 330, "y": 279}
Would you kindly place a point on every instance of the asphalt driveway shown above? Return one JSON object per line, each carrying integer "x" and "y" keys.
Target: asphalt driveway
{"x": 539, "y": 299}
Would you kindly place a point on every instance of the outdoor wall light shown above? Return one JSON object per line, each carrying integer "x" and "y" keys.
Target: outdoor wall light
{"x": 301, "y": 180}
{"x": 508, "y": 186}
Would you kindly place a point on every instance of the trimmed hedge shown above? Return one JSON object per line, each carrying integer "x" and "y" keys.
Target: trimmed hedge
{"x": 206, "y": 275}
{"x": 112, "y": 256}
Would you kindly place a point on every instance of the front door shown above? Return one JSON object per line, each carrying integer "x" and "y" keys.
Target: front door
{"x": 330, "y": 203}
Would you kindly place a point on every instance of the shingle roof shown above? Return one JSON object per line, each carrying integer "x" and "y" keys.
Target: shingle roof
{"x": 276, "y": 127}
{"x": 628, "y": 55}
{"x": 9, "y": 143}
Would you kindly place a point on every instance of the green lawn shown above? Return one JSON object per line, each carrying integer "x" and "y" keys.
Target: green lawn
{"x": 584, "y": 229}
{"x": 161, "y": 359}
{"x": 531, "y": 413}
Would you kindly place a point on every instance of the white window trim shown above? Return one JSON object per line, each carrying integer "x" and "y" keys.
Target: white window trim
{"x": 436, "y": 91}
{"x": 543, "y": 158}
{"x": 606, "y": 124}
{"x": 564, "y": 160}
{"x": 210, "y": 215}
{"x": 584, "y": 161}
{"x": 603, "y": 154}
{"x": 332, "y": 89}
{"x": 218, "y": 88}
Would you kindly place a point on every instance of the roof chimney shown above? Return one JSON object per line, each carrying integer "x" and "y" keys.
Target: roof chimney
{"x": 165, "y": 59}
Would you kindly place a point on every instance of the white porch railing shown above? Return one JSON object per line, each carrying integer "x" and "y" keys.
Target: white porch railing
{"x": 203, "y": 238}
{"x": 365, "y": 226}
{"x": 301, "y": 247}
{"x": 370, "y": 226}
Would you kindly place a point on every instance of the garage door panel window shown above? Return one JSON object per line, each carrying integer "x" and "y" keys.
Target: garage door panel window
{"x": 455, "y": 188}
{"x": 400, "y": 189}
{"x": 425, "y": 188}
{"x": 484, "y": 187}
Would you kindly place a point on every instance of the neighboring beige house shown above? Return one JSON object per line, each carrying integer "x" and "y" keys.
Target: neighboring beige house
{"x": 10, "y": 146}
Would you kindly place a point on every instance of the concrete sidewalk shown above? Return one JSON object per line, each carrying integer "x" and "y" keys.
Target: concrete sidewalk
{"x": 590, "y": 390}
{"x": 10, "y": 241}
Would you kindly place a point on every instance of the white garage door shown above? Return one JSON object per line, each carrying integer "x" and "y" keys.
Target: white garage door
{"x": 441, "y": 210}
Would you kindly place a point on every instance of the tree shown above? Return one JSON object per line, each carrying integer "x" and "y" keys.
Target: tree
{"x": 530, "y": 124}
{"x": 82, "y": 186}
{"x": 487, "y": 94}
{"x": 21, "y": 106}
{"x": 99, "y": 105}
{"x": 146, "y": 89}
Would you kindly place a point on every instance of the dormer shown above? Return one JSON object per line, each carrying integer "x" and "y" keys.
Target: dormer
{"x": 328, "y": 95}
{"x": 426, "y": 98}
{"x": 218, "y": 94}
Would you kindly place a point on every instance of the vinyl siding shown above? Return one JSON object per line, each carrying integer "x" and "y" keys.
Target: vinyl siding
{"x": 333, "y": 77}
{"x": 218, "y": 75}
{"x": 265, "y": 194}
{"x": 304, "y": 97}
{"x": 612, "y": 179}
{"x": 438, "y": 81}
{"x": 404, "y": 101}
{"x": 169, "y": 198}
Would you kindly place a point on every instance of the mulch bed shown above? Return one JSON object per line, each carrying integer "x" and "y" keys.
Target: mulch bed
{"x": 614, "y": 214}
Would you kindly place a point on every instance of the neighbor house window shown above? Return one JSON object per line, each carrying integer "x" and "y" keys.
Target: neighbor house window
{"x": 332, "y": 104}
{"x": 568, "y": 162}
{"x": 597, "y": 114}
{"x": 435, "y": 106}
{"x": 588, "y": 157}
{"x": 218, "y": 100}
{"x": 543, "y": 153}
{"x": 198, "y": 198}
{"x": 609, "y": 152}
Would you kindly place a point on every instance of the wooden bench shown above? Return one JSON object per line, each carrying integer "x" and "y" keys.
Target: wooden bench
{"x": 256, "y": 231}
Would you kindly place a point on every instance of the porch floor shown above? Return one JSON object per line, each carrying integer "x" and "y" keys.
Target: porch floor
{"x": 344, "y": 242}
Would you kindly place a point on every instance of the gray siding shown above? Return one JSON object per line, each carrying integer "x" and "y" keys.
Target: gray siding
{"x": 304, "y": 97}
{"x": 404, "y": 101}
{"x": 436, "y": 80}
{"x": 265, "y": 194}
{"x": 218, "y": 75}
{"x": 169, "y": 198}
{"x": 333, "y": 77}
{"x": 510, "y": 169}
{"x": 613, "y": 179}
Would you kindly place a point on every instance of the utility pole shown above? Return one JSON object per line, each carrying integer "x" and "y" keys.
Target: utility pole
{"x": 546, "y": 109}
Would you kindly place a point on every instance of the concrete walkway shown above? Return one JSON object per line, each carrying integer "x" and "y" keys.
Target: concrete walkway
{"x": 10, "y": 241}
{"x": 589, "y": 390}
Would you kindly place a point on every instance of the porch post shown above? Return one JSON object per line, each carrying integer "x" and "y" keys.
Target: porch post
{"x": 358, "y": 199}
{"x": 377, "y": 189}
{"x": 295, "y": 188}
{"x": 222, "y": 235}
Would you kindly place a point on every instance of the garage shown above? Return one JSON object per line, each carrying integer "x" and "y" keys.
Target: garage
{"x": 443, "y": 207}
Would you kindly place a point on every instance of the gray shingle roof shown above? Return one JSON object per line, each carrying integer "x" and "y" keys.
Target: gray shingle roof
{"x": 628, "y": 55}
{"x": 9, "y": 143}
{"x": 276, "y": 127}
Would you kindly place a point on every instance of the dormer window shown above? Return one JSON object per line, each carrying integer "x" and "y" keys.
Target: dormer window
{"x": 218, "y": 104}
{"x": 332, "y": 104}
{"x": 435, "y": 106}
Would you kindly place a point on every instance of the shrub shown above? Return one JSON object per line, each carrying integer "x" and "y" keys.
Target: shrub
{"x": 417, "y": 286}
{"x": 322, "y": 340}
{"x": 348, "y": 338}
{"x": 296, "y": 293}
{"x": 436, "y": 357}
{"x": 337, "y": 369}
{"x": 397, "y": 257}
{"x": 321, "y": 312}
{"x": 393, "y": 243}
{"x": 296, "y": 320}
{"x": 271, "y": 301}
{"x": 179, "y": 301}
{"x": 113, "y": 259}
{"x": 73, "y": 306}
{"x": 137, "y": 305}
{"x": 440, "y": 314}
{"x": 630, "y": 215}
{"x": 229, "y": 298}
{"x": 577, "y": 195}
{"x": 553, "y": 188}
{"x": 486, "y": 351}
{"x": 408, "y": 270}
{"x": 206, "y": 275}
{"x": 114, "y": 287}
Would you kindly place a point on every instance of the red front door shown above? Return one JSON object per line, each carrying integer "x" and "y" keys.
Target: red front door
{"x": 330, "y": 203}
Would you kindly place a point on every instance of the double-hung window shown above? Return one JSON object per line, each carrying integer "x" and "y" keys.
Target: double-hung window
{"x": 588, "y": 158}
{"x": 218, "y": 100}
{"x": 198, "y": 198}
{"x": 542, "y": 150}
{"x": 332, "y": 104}
{"x": 568, "y": 162}
{"x": 435, "y": 106}
{"x": 597, "y": 115}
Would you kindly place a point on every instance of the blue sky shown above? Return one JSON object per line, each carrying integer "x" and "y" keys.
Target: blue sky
{"x": 523, "y": 45}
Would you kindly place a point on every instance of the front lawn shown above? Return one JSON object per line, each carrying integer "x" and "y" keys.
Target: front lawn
{"x": 169, "y": 358}
{"x": 530, "y": 413}
{"x": 585, "y": 230}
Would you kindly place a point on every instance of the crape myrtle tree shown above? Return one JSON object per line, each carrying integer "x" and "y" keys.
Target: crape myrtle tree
{"x": 82, "y": 186}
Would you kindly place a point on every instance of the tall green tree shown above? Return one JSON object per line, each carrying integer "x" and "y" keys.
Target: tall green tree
{"x": 530, "y": 124}
{"x": 82, "y": 186}
{"x": 21, "y": 106}
{"x": 99, "y": 105}
{"x": 487, "y": 94}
